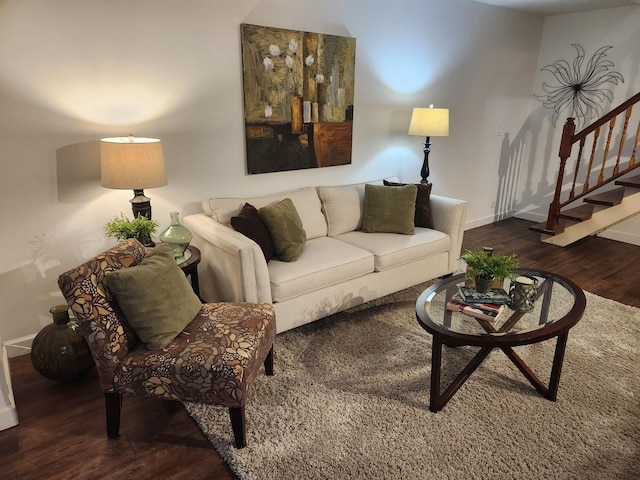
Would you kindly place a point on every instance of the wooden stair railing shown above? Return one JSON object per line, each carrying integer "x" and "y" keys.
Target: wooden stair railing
{"x": 569, "y": 138}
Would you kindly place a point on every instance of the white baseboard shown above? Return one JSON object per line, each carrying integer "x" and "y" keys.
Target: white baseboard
{"x": 531, "y": 216}
{"x": 621, "y": 236}
{"x": 479, "y": 222}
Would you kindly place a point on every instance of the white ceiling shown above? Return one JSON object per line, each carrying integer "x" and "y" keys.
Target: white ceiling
{"x": 556, "y": 7}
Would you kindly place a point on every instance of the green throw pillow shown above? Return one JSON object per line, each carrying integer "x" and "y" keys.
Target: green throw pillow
{"x": 423, "y": 217}
{"x": 389, "y": 209}
{"x": 285, "y": 227}
{"x": 155, "y": 297}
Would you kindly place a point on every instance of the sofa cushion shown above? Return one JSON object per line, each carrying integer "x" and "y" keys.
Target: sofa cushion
{"x": 389, "y": 209}
{"x": 423, "y": 216}
{"x": 284, "y": 225}
{"x": 390, "y": 249}
{"x": 304, "y": 199}
{"x": 325, "y": 261}
{"x": 249, "y": 223}
{"x": 155, "y": 297}
{"x": 343, "y": 206}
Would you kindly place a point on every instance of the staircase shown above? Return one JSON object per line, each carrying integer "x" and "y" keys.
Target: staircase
{"x": 614, "y": 196}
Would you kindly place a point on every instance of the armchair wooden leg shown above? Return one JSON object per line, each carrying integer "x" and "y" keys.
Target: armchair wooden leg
{"x": 268, "y": 362}
{"x": 113, "y": 402}
{"x": 239, "y": 426}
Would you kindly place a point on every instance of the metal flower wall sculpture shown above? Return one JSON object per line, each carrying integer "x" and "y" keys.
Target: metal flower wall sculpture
{"x": 580, "y": 91}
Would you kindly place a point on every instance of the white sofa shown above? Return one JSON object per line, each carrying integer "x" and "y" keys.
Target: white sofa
{"x": 340, "y": 266}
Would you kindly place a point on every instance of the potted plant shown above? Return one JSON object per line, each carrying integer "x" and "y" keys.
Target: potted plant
{"x": 140, "y": 228}
{"x": 487, "y": 267}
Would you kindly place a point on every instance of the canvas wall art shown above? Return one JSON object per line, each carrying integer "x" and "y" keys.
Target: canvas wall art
{"x": 298, "y": 98}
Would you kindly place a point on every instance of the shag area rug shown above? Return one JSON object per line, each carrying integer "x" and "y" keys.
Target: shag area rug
{"x": 350, "y": 400}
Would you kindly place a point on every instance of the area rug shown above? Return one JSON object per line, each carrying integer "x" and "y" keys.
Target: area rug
{"x": 350, "y": 400}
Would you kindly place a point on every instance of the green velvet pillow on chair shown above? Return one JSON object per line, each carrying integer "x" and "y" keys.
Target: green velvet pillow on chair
{"x": 155, "y": 297}
{"x": 286, "y": 230}
{"x": 389, "y": 209}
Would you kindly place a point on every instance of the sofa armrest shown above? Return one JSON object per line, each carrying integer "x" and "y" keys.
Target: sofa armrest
{"x": 232, "y": 266}
{"x": 449, "y": 215}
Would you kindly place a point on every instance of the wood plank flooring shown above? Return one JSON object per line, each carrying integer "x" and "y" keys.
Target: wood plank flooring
{"x": 61, "y": 434}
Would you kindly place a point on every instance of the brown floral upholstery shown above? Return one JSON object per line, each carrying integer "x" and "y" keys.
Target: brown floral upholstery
{"x": 225, "y": 339}
{"x": 214, "y": 360}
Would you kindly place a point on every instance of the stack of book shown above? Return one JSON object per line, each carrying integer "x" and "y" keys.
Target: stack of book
{"x": 485, "y": 306}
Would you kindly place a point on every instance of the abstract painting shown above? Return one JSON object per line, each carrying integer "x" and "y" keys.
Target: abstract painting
{"x": 298, "y": 98}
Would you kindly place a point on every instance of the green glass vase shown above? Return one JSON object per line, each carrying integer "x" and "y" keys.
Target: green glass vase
{"x": 177, "y": 236}
{"x": 59, "y": 351}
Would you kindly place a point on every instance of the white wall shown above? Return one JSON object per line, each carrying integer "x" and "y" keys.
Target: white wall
{"x": 616, "y": 27}
{"x": 74, "y": 71}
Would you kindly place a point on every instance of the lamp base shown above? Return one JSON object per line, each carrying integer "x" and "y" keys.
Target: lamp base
{"x": 140, "y": 204}
{"x": 424, "y": 173}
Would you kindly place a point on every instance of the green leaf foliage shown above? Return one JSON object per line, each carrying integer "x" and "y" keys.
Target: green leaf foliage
{"x": 490, "y": 266}
{"x": 140, "y": 228}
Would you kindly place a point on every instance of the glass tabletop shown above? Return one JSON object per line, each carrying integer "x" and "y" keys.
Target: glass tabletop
{"x": 556, "y": 305}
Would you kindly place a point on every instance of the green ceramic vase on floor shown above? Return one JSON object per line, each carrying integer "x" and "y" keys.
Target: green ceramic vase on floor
{"x": 59, "y": 351}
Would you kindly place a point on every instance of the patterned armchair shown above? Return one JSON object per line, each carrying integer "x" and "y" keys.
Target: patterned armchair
{"x": 214, "y": 360}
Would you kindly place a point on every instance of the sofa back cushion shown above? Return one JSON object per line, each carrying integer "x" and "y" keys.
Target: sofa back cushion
{"x": 343, "y": 207}
{"x": 304, "y": 199}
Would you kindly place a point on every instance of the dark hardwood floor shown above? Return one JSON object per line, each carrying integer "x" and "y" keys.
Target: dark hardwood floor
{"x": 604, "y": 267}
{"x": 61, "y": 434}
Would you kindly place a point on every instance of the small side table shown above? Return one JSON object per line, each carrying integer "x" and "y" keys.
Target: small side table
{"x": 190, "y": 267}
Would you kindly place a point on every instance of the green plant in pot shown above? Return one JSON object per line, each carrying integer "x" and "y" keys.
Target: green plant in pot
{"x": 140, "y": 228}
{"x": 487, "y": 267}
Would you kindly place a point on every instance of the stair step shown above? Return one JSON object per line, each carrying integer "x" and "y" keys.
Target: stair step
{"x": 609, "y": 199}
{"x": 542, "y": 228}
{"x": 578, "y": 214}
{"x": 633, "y": 182}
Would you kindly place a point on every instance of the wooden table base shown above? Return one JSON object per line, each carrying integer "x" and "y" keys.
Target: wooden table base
{"x": 437, "y": 401}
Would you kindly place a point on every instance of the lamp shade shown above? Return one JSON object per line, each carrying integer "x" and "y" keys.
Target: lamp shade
{"x": 429, "y": 122}
{"x": 132, "y": 163}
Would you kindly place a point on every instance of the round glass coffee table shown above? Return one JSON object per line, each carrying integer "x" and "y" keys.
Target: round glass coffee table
{"x": 558, "y": 305}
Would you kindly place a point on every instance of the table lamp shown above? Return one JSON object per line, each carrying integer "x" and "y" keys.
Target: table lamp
{"x": 133, "y": 163}
{"x": 429, "y": 122}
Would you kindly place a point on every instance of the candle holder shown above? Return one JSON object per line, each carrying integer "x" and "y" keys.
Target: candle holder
{"x": 523, "y": 293}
